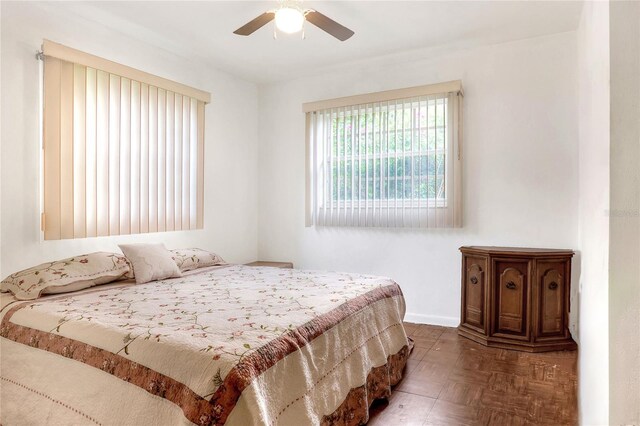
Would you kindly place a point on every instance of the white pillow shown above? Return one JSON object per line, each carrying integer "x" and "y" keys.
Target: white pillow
{"x": 150, "y": 262}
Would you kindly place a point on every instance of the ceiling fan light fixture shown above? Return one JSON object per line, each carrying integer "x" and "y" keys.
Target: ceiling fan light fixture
{"x": 289, "y": 20}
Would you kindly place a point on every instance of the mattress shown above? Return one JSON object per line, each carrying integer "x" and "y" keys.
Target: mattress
{"x": 232, "y": 345}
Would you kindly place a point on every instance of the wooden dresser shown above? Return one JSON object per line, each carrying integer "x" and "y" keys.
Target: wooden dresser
{"x": 516, "y": 298}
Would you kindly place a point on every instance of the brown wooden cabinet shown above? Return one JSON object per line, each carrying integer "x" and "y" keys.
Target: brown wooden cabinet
{"x": 516, "y": 298}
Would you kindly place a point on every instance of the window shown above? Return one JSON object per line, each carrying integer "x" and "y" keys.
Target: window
{"x": 123, "y": 149}
{"x": 388, "y": 159}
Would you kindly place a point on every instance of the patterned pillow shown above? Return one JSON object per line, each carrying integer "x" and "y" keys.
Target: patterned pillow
{"x": 194, "y": 258}
{"x": 75, "y": 273}
{"x": 151, "y": 262}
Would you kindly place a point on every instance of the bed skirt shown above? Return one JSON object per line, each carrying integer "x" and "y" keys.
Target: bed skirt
{"x": 354, "y": 410}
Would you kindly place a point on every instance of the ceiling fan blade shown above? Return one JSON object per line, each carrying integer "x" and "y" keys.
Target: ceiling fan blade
{"x": 327, "y": 24}
{"x": 255, "y": 24}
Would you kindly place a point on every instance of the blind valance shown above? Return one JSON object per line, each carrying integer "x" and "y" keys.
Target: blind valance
{"x": 454, "y": 86}
{"x": 68, "y": 54}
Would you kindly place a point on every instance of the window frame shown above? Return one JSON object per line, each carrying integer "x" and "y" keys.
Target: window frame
{"x": 340, "y": 109}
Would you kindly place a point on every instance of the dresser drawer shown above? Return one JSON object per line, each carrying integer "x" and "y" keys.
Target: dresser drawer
{"x": 474, "y": 288}
{"x": 510, "y": 288}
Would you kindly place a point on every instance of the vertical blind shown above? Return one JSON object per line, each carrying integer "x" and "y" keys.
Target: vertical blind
{"x": 385, "y": 162}
{"x": 121, "y": 156}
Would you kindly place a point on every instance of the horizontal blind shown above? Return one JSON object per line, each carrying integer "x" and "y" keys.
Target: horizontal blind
{"x": 120, "y": 156}
{"x": 393, "y": 163}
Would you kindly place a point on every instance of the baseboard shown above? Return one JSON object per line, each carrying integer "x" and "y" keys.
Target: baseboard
{"x": 432, "y": 319}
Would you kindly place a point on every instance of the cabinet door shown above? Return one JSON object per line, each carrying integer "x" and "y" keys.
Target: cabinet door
{"x": 510, "y": 292}
{"x": 551, "y": 298}
{"x": 474, "y": 292}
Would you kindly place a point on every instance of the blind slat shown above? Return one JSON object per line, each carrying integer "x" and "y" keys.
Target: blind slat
{"x": 437, "y": 165}
{"x": 66, "y": 150}
{"x": 114, "y": 155}
{"x": 419, "y": 142}
{"x": 395, "y": 195}
{"x": 178, "y": 162}
{"x": 144, "y": 158}
{"x": 356, "y": 167}
{"x": 313, "y": 151}
{"x": 200, "y": 168}
{"x": 136, "y": 155}
{"x": 366, "y": 166}
{"x": 428, "y": 173}
{"x": 437, "y": 116}
{"x": 162, "y": 167}
{"x": 376, "y": 115}
{"x": 102, "y": 154}
{"x": 154, "y": 143}
{"x": 186, "y": 133}
{"x": 193, "y": 165}
{"x": 412, "y": 186}
{"x": 125, "y": 156}
{"x": 388, "y": 162}
{"x": 170, "y": 157}
{"x": 51, "y": 132}
{"x": 404, "y": 164}
{"x": 341, "y": 167}
{"x": 380, "y": 166}
{"x": 308, "y": 178}
{"x": 325, "y": 165}
{"x": 353, "y": 164}
{"x": 331, "y": 165}
{"x": 79, "y": 155}
{"x": 90, "y": 151}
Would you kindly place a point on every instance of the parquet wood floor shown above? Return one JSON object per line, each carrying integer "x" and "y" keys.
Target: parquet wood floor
{"x": 450, "y": 380}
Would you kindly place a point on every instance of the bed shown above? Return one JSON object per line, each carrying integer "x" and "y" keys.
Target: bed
{"x": 232, "y": 344}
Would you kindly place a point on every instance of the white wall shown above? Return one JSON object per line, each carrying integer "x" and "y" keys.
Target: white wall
{"x": 536, "y": 171}
{"x": 520, "y": 167}
{"x": 230, "y": 139}
{"x": 593, "y": 122}
{"x": 624, "y": 246}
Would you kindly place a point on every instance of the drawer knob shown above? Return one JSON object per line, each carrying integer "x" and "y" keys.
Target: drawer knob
{"x": 511, "y": 285}
{"x": 553, "y": 285}
{"x": 473, "y": 280}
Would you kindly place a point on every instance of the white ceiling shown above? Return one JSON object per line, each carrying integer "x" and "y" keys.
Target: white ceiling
{"x": 205, "y": 30}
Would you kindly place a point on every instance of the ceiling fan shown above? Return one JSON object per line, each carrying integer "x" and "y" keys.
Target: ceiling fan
{"x": 290, "y": 18}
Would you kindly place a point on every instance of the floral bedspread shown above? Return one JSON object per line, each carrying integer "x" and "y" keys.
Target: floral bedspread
{"x": 201, "y": 339}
